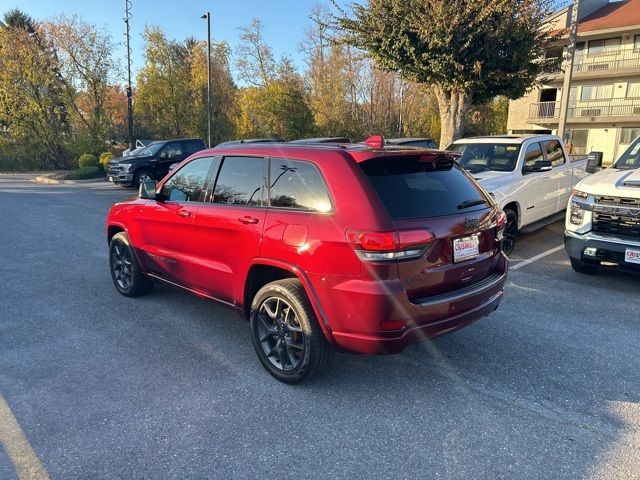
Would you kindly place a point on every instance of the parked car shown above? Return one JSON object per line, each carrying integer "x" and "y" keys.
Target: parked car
{"x": 362, "y": 249}
{"x": 529, "y": 176}
{"x": 413, "y": 142}
{"x": 153, "y": 162}
{"x": 311, "y": 141}
{"x": 249, "y": 140}
{"x": 603, "y": 217}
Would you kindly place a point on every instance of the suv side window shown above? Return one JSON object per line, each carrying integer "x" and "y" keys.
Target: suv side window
{"x": 240, "y": 181}
{"x": 171, "y": 150}
{"x": 533, "y": 154}
{"x": 299, "y": 185}
{"x": 193, "y": 146}
{"x": 554, "y": 153}
{"x": 189, "y": 184}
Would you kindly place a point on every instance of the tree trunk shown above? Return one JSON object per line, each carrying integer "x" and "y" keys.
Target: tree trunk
{"x": 453, "y": 106}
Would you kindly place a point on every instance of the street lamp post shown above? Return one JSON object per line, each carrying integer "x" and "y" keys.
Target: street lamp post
{"x": 568, "y": 72}
{"x": 208, "y": 17}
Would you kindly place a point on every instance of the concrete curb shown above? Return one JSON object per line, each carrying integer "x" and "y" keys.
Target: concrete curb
{"x": 50, "y": 179}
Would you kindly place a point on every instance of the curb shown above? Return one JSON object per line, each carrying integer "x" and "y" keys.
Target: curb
{"x": 51, "y": 180}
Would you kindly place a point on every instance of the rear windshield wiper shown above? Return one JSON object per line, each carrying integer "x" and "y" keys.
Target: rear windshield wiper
{"x": 471, "y": 203}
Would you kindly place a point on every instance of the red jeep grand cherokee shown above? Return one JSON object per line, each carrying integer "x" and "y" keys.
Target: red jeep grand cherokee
{"x": 361, "y": 248}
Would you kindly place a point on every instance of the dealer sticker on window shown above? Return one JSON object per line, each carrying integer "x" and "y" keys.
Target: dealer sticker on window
{"x": 465, "y": 248}
{"x": 632, "y": 256}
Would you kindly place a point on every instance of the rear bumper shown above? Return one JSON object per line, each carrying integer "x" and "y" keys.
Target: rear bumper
{"x": 359, "y": 310}
{"x": 608, "y": 249}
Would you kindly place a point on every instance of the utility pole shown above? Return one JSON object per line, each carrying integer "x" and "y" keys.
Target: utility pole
{"x": 127, "y": 17}
{"x": 208, "y": 17}
{"x": 568, "y": 72}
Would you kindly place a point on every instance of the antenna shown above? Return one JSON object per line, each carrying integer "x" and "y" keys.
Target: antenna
{"x": 127, "y": 17}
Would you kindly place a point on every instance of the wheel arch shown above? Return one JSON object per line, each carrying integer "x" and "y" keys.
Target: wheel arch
{"x": 263, "y": 271}
{"x": 515, "y": 206}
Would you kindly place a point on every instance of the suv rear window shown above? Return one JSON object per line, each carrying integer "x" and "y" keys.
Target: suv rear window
{"x": 411, "y": 188}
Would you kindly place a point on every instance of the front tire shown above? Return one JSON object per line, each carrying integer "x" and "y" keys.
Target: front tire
{"x": 510, "y": 235}
{"x": 141, "y": 177}
{"x": 125, "y": 269}
{"x": 286, "y": 335}
{"x": 582, "y": 267}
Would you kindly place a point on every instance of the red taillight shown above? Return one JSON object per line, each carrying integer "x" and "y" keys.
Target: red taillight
{"x": 501, "y": 219}
{"x": 379, "y": 246}
{"x": 373, "y": 241}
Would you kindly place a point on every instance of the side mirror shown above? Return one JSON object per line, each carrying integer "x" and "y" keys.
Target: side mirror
{"x": 148, "y": 191}
{"x": 594, "y": 162}
{"x": 539, "y": 166}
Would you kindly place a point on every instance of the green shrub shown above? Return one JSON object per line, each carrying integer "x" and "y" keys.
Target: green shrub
{"x": 87, "y": 160}
{"x": 83, "y": 173}
{"x": 104, "y": 159}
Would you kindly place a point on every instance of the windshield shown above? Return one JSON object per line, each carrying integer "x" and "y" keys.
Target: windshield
{"x": 630, "y": 158}
{"x": 151, "y": 149}
{"x": 482, "y": 157}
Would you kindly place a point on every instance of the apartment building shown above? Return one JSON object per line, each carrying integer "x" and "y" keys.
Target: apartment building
{"x": 604, "y": 99}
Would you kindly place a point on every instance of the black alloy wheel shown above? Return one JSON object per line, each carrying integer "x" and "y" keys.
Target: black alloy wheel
{"x": 510, "y": 234}
{"x": 125, "y": 271}
{"x": 280, "y": 334}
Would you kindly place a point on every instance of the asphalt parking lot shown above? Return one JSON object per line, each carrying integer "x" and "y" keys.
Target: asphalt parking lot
{"x": 97, "y": 386}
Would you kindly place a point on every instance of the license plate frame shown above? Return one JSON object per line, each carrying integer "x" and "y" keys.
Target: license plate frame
{"x": 632, "y": 255}
{"x": 466, "y": 248}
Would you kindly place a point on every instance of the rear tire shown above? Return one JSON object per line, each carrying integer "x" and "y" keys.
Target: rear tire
{"x": 286, "y": 335}
{"x": 510, "y": 232}
{"x": 125, "y": 269}
{"x": 582, "y": 267}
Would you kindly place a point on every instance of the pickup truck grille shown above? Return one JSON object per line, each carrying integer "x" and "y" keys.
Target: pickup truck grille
{"x": 616, "y": 216}
{"x": 113, "y": 169}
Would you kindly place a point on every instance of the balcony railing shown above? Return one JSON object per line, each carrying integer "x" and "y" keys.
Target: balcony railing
{"x": 616, "y": 107}
{"x": 627, "y": 59}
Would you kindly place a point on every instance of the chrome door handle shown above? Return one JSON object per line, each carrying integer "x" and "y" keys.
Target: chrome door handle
{"x": 248, "y": 220}
{"x": 184, "y": 213}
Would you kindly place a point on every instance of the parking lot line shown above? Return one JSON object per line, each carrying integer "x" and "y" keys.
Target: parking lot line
{"x": 19, "y": 451}
{"x": 537, "y": 257}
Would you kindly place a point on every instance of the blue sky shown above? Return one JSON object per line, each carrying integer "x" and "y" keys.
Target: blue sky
{"x": 285, "y": 21}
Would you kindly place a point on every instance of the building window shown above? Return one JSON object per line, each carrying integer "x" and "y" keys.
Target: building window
{"x": 628, "y": 135}
{"x": 598, "y": 47}
{"x": 636, "y": 43}
{"x": 633, "y": 89}
{"x": 596, "y": 92}
{"x": 579, "y": 142}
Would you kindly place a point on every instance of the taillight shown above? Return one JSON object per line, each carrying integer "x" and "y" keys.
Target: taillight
{"x": 381, "y": 246}
{"x": 501, "y": 223}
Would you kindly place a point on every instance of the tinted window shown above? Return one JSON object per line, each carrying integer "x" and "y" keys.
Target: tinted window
{"x": 480, "y": 157}
{"x": 297, "y": 185}
{"x": 189, "y": 183}
{"x": 631, "y": 157}
{"x": 410, "y": 188}
{"x": 172, "y": 150}
{"x": 240, "y": 181}
{"x": 533, "y": 154}
{"x": 554, "y": 152}
{"x": 193, "y": 146}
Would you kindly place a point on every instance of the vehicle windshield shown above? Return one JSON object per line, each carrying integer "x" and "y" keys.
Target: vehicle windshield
{"x": 482, "y": 157}
{"x": 150, "y": 149}
{"x": 630, "y": 158}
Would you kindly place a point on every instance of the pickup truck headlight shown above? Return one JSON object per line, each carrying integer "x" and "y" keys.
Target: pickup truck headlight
{"x": 579, "y": 212}
{"x": 125, "y": 166}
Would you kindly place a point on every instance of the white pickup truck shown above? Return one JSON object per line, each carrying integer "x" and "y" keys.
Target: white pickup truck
{"x": 529, "y": 176}
{"x": 603, "y": 217}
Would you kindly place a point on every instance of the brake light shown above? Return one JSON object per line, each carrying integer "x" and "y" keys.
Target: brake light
{"x": 501, "y": 223}
{"x": 381, "y": 246}
{"x": 375, "y": 141}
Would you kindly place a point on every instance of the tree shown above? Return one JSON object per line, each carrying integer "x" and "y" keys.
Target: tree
{"x": 466, "y": 51}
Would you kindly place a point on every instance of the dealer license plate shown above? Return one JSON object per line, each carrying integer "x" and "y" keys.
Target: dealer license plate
{"x": 632, "y": 256}
{"x": 465, "y": 248}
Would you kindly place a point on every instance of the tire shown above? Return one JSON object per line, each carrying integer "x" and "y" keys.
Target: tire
{"x": 125, "y": 269}
{"x": 142, "y": 175}
{"x": 510, "y": 232}
{"x": 582, "y": 267}
{"x": 291, "y": 349}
